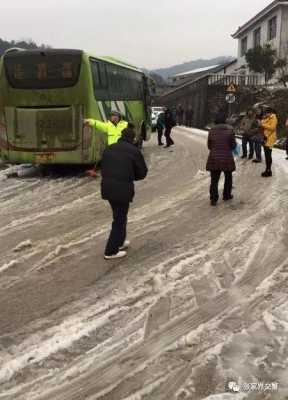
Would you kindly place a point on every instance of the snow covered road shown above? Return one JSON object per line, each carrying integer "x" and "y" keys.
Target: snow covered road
{"x": 201, "y": 300}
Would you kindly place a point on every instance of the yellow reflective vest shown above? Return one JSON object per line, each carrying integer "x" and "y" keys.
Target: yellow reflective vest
{"x": 269, "y": 124}
{"x": 113, "y": 132}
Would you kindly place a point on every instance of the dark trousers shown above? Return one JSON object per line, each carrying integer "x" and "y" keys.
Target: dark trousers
{"x": 268, "y": 158}
{"x": 215, "y": 176}
{"x": 246, "y": 140}
{"x": 258, "y": 150}
{"x": 118, "y": 232}
{"x": 160, "y": 134}
{"x": 167, "y": 134}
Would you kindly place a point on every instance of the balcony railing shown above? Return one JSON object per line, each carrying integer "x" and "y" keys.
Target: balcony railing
{"x": 238, "y": 80}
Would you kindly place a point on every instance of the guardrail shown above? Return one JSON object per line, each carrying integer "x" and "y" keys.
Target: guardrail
{"x": 217, "y": 80}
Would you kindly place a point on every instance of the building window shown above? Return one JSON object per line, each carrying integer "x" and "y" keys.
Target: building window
{"x": 272, "y": 28}
{"x": 257, "y": 37}
{"x": 244, "y": 46}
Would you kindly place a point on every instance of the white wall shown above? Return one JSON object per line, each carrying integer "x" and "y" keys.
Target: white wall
{"x": 284, "y": 33}
{"x": 264, "y": 35}
{"x": 229, "y": 70}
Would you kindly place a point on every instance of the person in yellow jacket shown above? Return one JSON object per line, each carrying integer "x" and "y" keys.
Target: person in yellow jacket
{"x": 113, "y": 128}
{"x": 269, "y": 125}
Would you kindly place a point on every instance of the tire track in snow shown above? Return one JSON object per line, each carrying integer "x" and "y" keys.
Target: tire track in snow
{"x": 177, "y": 270}
{"x": 221, "y": 300}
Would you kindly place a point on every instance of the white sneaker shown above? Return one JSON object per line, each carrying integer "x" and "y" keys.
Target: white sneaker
{"x": 120, "y": 254}
{"x": 125, "y": 245}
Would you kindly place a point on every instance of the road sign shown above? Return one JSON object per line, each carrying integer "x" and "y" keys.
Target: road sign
{"x": 230, "y": 98}
{"x": 231, "y": 88}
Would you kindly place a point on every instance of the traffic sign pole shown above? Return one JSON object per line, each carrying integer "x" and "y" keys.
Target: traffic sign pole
{"x": 230, "y": 96}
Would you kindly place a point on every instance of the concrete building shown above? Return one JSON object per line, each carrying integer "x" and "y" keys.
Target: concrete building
{"x": 269, "y": 26}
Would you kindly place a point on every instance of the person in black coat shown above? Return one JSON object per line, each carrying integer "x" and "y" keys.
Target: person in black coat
{"x": 122, "y": 164}
{"x": 169, "y": 122}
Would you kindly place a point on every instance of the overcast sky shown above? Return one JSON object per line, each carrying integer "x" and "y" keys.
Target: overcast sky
{"x": 148, "y": 33}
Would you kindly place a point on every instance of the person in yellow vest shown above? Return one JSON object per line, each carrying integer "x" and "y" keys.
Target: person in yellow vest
{"x": 113, "y": 128}
{"x": 269, "y": 124}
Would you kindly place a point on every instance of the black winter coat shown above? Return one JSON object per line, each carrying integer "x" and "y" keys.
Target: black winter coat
{"x": 122, "y": 164}
{"x": 169, "y": 121}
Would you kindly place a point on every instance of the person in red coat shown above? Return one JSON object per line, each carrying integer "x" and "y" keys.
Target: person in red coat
{"x": 221, "y": 143}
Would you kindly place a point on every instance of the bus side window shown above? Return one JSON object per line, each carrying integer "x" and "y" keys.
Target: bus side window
{"x": 140, "y": 88}
{"x": 100, "y": 81}
{"x": 129, "y": 85}
{"x": 125, "y": 84}
{"x": 112, "y": 81}
{"x": 123, "y": 90}
{"x": 103, "y": 75}
{"x": 95, "y": 74}
{"x": 134, "y": 85}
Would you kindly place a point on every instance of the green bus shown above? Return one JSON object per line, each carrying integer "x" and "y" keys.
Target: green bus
{"x": 46, "y": 94}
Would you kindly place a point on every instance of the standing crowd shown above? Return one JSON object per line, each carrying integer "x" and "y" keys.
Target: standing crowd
{"x": 123, "y": 163}
{"x": 258, "y": 130}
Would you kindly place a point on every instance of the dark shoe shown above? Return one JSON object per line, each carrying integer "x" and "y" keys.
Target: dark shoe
{"x": 213, "y": 203}
{"x": 244, "y": 156}
{"x": 12, "y": 175}
{"x": 167, "y": 145}
{"x": 256, "y": 161}
{"x": 160, "y": 144}
{"x": 266, "y": 174}
{"x": 227, "y": 198}
{"x": 250, "y": 157}
{"x": 286, "y": 158}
